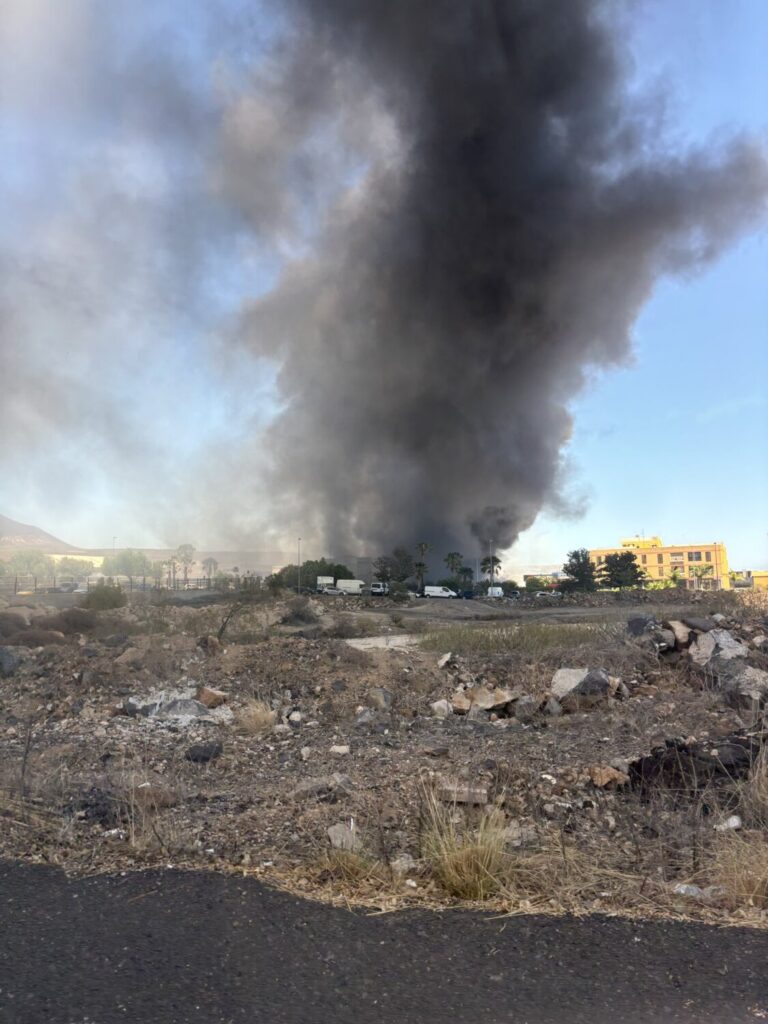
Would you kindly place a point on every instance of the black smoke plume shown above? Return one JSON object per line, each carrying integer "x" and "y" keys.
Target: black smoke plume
{"x": 492, "y": 249}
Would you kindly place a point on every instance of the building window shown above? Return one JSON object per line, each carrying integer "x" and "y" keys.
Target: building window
{"x": 708, "y": 556}
{"x": 661, "y": 571}
{"x": 694, "y": 556}
{"x": 645, "y": 559}
{"x": 660, "y": 559}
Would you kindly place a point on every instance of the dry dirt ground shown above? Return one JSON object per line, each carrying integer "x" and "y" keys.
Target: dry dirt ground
{"x": 337, "y": 772}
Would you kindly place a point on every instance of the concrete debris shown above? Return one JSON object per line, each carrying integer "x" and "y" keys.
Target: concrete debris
{"x": 603, "y": 776}
{"x": 441, "y": 708}
{"x": 340, "y": 749}
{"x": 209, "y": 697}
{"x": 731, "y": 824}
{"x": 456, "y": 792}
{"x": 481, "y": 698}
{"x": 345, "y": 836}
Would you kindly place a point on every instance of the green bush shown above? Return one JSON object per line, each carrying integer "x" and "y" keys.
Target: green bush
{"x": 105, "y": 596}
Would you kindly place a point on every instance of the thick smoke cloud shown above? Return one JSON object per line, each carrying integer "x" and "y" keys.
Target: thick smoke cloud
{"x": 432, "y": 341}
{"x": 428, "y": 220}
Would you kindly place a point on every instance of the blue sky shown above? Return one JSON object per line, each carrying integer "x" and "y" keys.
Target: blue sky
{"x": 673, "y": 443}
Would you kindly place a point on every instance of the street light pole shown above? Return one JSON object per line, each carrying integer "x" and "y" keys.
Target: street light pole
{"x": 298, "y": 577}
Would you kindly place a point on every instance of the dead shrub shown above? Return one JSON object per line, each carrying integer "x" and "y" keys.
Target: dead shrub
{"x": 71, "y": 620}
{"x": 351, "y": 656}
{"x": 33, "y": 637}
{"x": 740, "y": 866}
{"x": 255, "y": 718}
{"x": 299, "y": 613}
{"x": 104, "y": 597}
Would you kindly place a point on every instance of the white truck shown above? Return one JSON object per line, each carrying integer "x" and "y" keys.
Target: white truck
{"x": 439, "y": 592}
{"x": 323, "y": 582}
{"x": 350, "y": 586}
{"x": 495, "y": 592}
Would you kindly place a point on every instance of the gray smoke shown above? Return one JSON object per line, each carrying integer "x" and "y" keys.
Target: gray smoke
{"x": 451, "y": 211}
{"x": 498, "y": 247}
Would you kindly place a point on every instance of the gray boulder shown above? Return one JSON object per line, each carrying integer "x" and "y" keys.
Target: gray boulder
{"x": 381, "y": 698}
{"x": 9, "y": 662}
{"x": 639, "y": 624}
{"x": 526, "y": 709}
{"x": 717, "y": 643}
{"x": 745, "y": 686}
{"x": 703, "y": 625}
{"x": 581, "y": 689}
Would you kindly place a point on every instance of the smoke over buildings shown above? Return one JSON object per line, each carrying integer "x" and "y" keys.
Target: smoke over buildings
{"x": 451, "y": 212}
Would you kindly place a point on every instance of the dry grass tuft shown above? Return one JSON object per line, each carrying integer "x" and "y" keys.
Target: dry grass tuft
{"x": 533, "y": 640}
{"x": 351, "y": 868}
{"x": 255, "y": 718}
{"x": 753, "y": 793}
{"x": 470, "y": 864}
{"x": 740, "y": 866}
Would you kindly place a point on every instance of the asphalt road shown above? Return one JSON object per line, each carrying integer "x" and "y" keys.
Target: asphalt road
{"x": 172, "y": 947}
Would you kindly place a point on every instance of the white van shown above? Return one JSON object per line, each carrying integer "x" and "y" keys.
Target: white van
{"x": 495, "y": 592}
{"x": 350, "y": 586}
{"x": 439, "y": 592}
{"x": 379, "y": 589}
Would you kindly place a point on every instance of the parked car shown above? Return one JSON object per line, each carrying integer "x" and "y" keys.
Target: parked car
{"x": 514, "y": 595}
{"x": 333, "y": 591}
{"x": 467, "y": 595}
{"x": 547, "y": 593}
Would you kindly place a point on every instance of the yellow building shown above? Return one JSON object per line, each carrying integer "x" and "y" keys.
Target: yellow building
{"x": 699, "y": 566}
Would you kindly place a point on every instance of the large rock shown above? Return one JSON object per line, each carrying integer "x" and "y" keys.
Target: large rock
{"x": 703, "y": 625}
{"x": 9, "y": 662}
{"x": 209, "y": 697}
{"x": 526, "y": 709}
{"x": 579, "y": 689}
{"x": 442, "y": 708}
{"x": 381, "y": 698}
{"x": 202, "y": 753}
{"x": 344, "y": 837}
{"x": 22, "y": 617}
{"x": 132, "y": 658}
{"x": 745, "y": 686}
{"x": 481, "y": 698}
{"x": 717, "y": 643}
{"x": 683, "y": 633}
{"x": 181, "y": 710}
{"x": 639, "y": 624}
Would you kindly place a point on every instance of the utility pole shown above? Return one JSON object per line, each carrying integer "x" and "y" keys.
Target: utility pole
{"x": 298, "y": 566}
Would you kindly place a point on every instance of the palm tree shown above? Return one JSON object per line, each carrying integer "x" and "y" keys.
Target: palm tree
{"x": 453, "y": 561}
{"x": 210, "y": 565}
{"x": 420, "y": 569}
{"x": 186, "y": 555}
{"x": 492, "y": 565}
{"x": 699, "y": 572}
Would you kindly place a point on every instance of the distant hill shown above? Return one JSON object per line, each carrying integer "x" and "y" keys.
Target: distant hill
{"x": 19, "y": 536}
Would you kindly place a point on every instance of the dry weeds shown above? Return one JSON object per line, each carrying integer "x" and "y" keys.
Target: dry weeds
{"x": 255, "y": 718}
